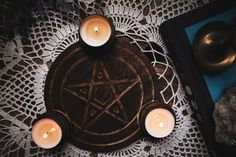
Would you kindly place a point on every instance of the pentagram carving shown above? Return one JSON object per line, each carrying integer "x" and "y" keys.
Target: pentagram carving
{"x": 103, "y": 95}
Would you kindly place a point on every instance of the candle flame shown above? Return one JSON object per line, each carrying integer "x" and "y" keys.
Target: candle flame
{"x": 96, "y": 29}
{"x": 161, "y": 124}
{"x": 45, "y": 135}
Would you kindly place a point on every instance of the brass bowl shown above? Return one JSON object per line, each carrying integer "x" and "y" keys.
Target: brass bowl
{"x": 212, "y": 47}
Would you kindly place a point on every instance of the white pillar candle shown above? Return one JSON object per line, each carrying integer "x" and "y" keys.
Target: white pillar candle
{"x": 159, "y": 122}
{"x": 95, "y": 30}
{"x": 46, "y": 133}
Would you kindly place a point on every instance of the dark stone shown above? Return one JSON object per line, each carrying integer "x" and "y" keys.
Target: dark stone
{"x": 225, "y": 118}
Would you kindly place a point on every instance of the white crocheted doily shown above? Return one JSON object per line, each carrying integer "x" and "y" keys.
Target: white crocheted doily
{"x": 24, "y": 66}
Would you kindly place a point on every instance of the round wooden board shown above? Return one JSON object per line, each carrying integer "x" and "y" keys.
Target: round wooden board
{"x": 102, "y": 94}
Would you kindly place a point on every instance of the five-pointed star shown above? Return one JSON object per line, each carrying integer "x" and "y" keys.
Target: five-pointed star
{"x": 110, "y": 103}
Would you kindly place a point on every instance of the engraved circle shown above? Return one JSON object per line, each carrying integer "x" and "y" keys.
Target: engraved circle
{"x": 103, "y": 91}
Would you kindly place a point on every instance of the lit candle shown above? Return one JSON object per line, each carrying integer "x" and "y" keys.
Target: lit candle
{"x": 158, "y": 120}
{"x": 46, "y": 133}
{"x": 96, "y": 31}
{"x": 50, "y": 130}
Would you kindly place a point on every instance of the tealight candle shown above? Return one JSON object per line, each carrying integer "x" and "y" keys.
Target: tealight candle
{"x": 96, "y": 31}
{"x": 158, "y": 120}
{"x": 50, "y": 130}
{"x": 46, "y": 133}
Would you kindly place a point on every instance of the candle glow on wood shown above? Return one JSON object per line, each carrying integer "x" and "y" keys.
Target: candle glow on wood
{"x": 95, "y": 30}
{"x": 46, "y": 133}
{"x": 159, "y": 122}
